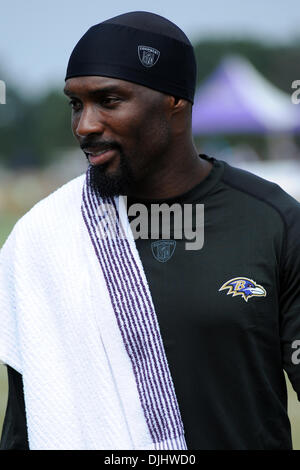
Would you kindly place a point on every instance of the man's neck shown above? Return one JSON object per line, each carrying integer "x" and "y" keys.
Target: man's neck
{"x": 175, "y": 179}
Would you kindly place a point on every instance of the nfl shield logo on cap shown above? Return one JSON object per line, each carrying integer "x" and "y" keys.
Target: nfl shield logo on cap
{"x": 148, "y": 55}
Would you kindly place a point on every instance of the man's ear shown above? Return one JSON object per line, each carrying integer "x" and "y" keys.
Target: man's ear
{"x": 176, "y": 104}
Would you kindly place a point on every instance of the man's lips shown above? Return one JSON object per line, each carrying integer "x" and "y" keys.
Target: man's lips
{"x": 100, "y": 156}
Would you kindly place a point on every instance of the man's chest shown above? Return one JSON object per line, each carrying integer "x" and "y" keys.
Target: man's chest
{"x": 230, "y": 285}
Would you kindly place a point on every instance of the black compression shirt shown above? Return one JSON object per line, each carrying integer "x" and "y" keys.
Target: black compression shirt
{"x": 14, "y": 433}
{"x": 229, "y": 313}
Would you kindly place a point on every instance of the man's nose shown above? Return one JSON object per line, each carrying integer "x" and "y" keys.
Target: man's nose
{"x": 90, "y": 122}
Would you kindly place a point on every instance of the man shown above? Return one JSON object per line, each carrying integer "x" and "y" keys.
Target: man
{"x": 123, "y": 342}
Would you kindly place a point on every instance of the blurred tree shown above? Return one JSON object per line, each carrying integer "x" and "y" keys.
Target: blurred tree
{"x": 279, "y": 64}
{"x": 51, "y": 119}
{"x": 13, "y": 117}
{"x": 31, "y": 131}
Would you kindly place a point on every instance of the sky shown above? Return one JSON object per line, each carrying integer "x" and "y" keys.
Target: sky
{"x": 37, "y": 37}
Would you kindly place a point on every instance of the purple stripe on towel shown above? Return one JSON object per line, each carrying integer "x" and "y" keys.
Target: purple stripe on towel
{"x": 131, "y": 347}
{"x": 135, "y": 315}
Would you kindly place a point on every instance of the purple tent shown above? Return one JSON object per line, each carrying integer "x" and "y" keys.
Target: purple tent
{"x": 237, "y": 99}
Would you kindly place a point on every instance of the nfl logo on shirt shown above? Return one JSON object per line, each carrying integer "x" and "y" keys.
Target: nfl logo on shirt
{"x": 163, "y": 250}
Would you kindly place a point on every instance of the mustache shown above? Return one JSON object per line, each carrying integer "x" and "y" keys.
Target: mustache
{"x": 89, "y": 144}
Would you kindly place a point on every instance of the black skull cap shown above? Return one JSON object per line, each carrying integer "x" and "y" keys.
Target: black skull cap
{"x": 140, "y": 47}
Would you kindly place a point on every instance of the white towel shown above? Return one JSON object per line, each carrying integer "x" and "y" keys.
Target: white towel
{"x": 77, "y": 321}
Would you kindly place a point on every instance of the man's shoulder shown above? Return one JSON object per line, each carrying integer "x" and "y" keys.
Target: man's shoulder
{"x": 261, "y": 189}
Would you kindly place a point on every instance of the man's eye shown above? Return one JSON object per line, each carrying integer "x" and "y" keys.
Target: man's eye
{"x": 109, "y": 101}
{"x": 74, "y": 104}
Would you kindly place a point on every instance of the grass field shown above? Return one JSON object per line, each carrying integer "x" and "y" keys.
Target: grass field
{"x": 7, "y": 221}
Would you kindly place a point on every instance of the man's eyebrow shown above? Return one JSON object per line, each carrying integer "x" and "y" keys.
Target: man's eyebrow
{"x": 97, "y": 92}
{"x": 67, "y": 92}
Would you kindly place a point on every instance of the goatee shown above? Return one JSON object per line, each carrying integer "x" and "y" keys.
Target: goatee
{"x": 108, "y": 185}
